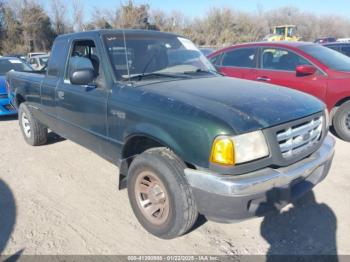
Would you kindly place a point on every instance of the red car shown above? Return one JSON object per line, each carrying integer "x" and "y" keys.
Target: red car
{"x": 307, "y": 67}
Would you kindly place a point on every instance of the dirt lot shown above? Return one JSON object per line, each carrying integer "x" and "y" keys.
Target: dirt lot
{"x": 62, "y": 199}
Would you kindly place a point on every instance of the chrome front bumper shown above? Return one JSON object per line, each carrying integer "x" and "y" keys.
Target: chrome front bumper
{"x": 311, "y": 169}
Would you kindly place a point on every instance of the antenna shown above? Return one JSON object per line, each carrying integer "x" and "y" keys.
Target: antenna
{"x": 126, "y": 56}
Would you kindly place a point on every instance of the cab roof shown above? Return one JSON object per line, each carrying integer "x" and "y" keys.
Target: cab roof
{"x": 117, "y": 31}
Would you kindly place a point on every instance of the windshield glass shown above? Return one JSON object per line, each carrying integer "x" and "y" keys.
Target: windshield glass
{"x": 154, "y": 54}
{"x": 280, "y": 30}
{"x": 7, "y": 65}
{"x": 333, "y": 59}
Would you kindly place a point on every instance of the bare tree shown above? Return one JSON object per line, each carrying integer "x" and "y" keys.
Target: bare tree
{"x": 59, "y": 12}
{"x": 99, "y": 20}
{"x": 130, "y": 15}
{"x": 37, "y": 28}
{"x": 78, "y": 16}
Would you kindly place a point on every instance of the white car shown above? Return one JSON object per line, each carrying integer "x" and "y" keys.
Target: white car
{"x": 345, "y": 40}
{"x": 30, "y": 55}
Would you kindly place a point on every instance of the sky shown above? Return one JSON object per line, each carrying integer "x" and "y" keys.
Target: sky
{"x": 198, "y": 8}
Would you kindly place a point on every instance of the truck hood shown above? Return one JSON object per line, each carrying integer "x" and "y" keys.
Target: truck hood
{"x": 244, "y": 105}
{"x": 3, "y": 85}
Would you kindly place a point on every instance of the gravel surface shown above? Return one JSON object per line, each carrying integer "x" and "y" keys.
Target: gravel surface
{"x": 63, "y": 199}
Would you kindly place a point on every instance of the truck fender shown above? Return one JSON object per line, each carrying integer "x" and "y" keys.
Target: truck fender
{"x": 145, "y": 131}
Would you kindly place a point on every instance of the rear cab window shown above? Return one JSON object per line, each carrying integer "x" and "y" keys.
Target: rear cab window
{"x": 57, "y": 60}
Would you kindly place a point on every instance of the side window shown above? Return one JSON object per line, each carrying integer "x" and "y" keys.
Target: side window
{"x": 346, "y": 50}
{"x": 244, "y": 57}
{"x": 281, "y": 59}
{"x": 84, "y": 49}
{"x": 216, "y": 60}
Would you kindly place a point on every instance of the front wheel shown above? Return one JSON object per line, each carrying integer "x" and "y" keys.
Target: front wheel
{"x": 341, "y": 121}
{"x": 159, "y": 194}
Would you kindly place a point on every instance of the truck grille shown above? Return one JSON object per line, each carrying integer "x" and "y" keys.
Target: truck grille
{"x": 297, "y": 139}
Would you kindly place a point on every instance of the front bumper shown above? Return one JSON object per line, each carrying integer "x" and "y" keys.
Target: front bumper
{"x": 6, "y": 108}
{"x": 227, "y": 198}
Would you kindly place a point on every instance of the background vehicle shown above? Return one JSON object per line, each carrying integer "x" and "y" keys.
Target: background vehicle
{"x": 38, "y": 62}
{"x": 187, "y": 140}
{"x": 307, "y": 67}
{"x": 30, "y": 55}
{"x": 323, "y": 40}
{"x": 340, "y": 47}
{"x": 343, "y": 40}
{"x": 283, "y": 33}
{"x": 20, "y": 56}
{"x": 7, "y": 64}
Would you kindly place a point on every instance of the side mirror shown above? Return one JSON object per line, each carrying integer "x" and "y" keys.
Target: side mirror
{"x": 82, "y": 77}
{"x": 305, "y": 70}
{"x": 81, "y": 71}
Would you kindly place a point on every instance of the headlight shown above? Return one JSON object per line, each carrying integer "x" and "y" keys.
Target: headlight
{"x": 239, "y": 149}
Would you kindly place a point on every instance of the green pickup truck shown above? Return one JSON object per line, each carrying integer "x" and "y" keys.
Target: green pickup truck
{"x": 186, "y": 139}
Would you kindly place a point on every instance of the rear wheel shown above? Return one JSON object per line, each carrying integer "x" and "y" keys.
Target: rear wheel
{"x": 159, "y": 194}
{"x": 341, "y": 121}
{"x": 34, "y": 133}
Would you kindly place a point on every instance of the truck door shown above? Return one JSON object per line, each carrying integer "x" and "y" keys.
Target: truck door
{"x": 82, "y": 108}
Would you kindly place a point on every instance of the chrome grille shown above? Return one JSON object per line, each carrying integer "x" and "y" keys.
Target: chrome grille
{"x": 296, "y": 139}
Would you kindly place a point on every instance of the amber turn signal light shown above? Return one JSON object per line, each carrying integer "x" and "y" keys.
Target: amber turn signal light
{"x": 223, "y": 151}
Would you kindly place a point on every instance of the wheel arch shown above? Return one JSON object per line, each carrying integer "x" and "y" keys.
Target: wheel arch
{"x": 19, "y": 99}
{"x": 337, "y": 105}
{"x": 138, "y": 143}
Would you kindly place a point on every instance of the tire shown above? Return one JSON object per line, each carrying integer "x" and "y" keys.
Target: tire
{"x": 171, "y": 192}
{"x": 341, "y": 121}
{"x": 34, "y": 133}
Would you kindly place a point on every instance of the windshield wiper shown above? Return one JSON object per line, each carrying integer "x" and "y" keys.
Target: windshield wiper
{"x": 202, "y": 71}
{"x": 139, "y": 77}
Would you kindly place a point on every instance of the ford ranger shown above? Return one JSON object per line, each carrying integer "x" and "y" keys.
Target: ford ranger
{"x": 186, "y": 139}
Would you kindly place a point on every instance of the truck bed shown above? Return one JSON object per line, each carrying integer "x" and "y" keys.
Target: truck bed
{"x": 28, "y": 82}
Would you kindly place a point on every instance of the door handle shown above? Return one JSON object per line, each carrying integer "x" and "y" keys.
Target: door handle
{"x": 263, "y": 78}
{"x": 60, "y": 95}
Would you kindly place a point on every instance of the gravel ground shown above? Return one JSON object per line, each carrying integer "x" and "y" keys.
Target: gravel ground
{"x": 63, "y": 199}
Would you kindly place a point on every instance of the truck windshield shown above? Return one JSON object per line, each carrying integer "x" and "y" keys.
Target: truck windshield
{"x": 333, "y": 59}
{"x": 156, "y": 55}
{"x": 7, "y": 65}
